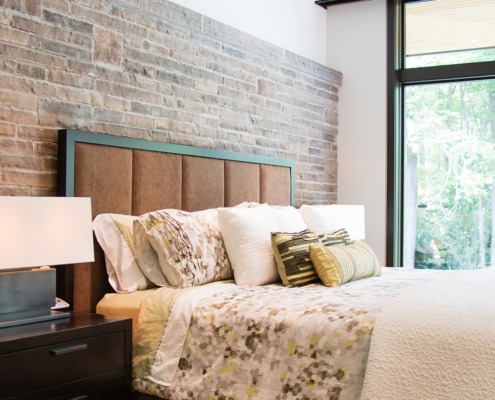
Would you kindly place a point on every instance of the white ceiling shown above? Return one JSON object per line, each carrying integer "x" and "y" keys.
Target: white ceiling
{"x": 449, "y": 25}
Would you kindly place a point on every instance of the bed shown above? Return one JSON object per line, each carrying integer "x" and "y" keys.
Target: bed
{"x": 269, "y": 333}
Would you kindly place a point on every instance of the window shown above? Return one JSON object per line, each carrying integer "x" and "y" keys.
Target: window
{"x": 442, "y": 134}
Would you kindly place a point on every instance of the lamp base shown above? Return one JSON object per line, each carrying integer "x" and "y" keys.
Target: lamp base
{"x": 27, "y": 297}
{"x": 13, "y": 320}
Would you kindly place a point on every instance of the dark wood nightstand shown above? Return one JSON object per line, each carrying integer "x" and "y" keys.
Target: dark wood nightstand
{"x": 85, "y": 357}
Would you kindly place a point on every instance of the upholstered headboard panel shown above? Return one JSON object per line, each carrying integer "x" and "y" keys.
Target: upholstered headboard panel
{"x": 134, "y": 176}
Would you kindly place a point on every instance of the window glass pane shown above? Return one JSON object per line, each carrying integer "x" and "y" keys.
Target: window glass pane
{"x": 446, "y": 32}
{"x": 449, "y": 175}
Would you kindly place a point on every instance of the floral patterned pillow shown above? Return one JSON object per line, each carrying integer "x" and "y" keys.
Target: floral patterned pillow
{"x": 188, "y": 245}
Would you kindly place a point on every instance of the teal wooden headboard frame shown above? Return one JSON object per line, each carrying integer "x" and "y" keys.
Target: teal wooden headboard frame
{"x": 68, "y": 138}
{"x": 66, "y": 187}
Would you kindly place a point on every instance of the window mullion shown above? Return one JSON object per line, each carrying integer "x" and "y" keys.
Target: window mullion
{"x": 448, "y": 73}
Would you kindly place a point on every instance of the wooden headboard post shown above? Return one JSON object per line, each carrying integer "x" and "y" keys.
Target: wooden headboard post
{"x": 132, "y": 176}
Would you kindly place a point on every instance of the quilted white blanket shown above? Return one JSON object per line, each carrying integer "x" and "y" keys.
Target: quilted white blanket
{"x": 436, "y": 341}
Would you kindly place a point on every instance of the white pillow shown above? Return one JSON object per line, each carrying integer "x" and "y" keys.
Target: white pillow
{"x": 330, "y": 218}
{"x": 247, "y": 236}
{"x": 114, "y": 234}
{"x": 288, "y": 219}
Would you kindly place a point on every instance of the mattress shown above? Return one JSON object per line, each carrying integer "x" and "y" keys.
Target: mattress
{"x": 125, "y": 305}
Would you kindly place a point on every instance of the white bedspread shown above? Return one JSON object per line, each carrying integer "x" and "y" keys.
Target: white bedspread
{"x": 436, "y": 341}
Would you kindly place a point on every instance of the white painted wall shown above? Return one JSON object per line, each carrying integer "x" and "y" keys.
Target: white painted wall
{"x": 350, "y": 38}
{"x": 356, "y": 46}
{"x": 296, "y": 25}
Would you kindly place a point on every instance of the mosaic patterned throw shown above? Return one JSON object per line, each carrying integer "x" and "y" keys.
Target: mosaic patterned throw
{"x": 268, "y": 342}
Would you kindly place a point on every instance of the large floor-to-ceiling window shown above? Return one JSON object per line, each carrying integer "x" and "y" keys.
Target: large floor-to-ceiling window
{"x": 442, "y": 134}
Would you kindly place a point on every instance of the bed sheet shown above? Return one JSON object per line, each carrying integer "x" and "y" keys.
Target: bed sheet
{"x": 125, "y": 305}
{"x": 267, "y": 342}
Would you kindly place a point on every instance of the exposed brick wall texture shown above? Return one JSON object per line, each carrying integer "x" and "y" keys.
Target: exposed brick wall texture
{"x": 154, "y": 70}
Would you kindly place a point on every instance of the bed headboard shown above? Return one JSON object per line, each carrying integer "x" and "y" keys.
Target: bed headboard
{"x": 133, "y": 176}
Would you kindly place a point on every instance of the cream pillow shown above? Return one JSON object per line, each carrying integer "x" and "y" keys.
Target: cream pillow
{"x": 114, "y": 233}
{"x": 329, "y": 218}
{"x": 337, "y": 265}
{"x": 288, "y": 219}
{"x": 246, "y": 233}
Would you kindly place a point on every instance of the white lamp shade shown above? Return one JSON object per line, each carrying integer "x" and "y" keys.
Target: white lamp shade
{"x": 40, "y": 231}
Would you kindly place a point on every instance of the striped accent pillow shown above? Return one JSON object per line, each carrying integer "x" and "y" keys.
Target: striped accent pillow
{"x": 337, "y": 237}
{"x": 291, "y": 251}
{"x": 341, "y": 264}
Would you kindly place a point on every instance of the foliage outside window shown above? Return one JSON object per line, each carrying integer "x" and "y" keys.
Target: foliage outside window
{"x": 450, "y": 167}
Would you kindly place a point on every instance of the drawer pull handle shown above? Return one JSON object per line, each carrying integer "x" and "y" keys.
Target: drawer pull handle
{"x": 68, "y": 349}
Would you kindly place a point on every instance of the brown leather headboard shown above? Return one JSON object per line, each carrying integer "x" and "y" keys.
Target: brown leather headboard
{"x": 133, "y": 176}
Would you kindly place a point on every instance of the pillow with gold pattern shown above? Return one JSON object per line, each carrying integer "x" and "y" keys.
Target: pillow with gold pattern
{"x": 114, "y": 234}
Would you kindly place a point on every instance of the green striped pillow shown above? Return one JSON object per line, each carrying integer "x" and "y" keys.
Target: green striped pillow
{"x": 341, "y": 264}
{"x": 291, "y": 251}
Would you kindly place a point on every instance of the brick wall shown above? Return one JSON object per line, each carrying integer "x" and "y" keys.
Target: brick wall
{"x": 151, "y": 69}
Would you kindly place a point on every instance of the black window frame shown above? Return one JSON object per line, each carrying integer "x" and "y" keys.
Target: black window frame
{"x": 398, "y": 78}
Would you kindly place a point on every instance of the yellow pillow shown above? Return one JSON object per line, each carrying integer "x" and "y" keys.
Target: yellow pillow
{"x": 337, "y": 265}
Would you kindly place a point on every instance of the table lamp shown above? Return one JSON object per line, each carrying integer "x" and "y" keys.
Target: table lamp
{"x": 35, "y": 234}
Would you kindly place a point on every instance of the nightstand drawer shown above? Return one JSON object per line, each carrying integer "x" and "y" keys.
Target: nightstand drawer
{"x": 45, "y": 367}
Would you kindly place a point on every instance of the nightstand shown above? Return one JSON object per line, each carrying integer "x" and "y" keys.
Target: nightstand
{"x": 85, "y": 357}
